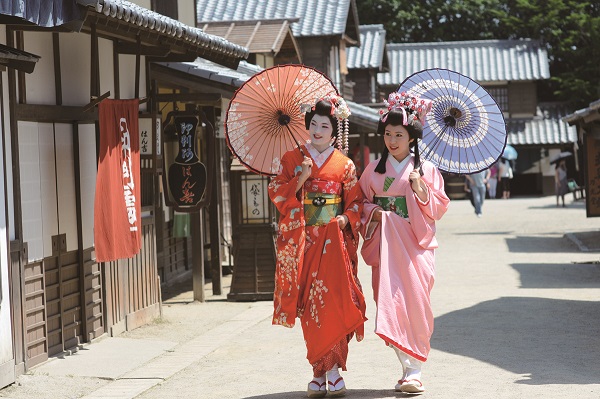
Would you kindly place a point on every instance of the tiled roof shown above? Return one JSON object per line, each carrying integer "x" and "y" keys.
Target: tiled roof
{"x": 580, "y": 114}
{"x": 139, "y": 16}
{"x": 201, "y": 68}
{"x": 18, "y": 59}
{"x": 481, "y": 60}
{"x": 316, "y": 17}
{"x": 209, "y": 70}
{"x": 547, "y": 128}
{"x": 363, "y": 115}
{"x": 268, "y": 36}
{"x": 372, "y": 51}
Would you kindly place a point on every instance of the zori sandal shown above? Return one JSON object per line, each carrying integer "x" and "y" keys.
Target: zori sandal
{"x": 412, "y": 386}
{"x": 316, "y": 389}
{"x": 337, "y": 389}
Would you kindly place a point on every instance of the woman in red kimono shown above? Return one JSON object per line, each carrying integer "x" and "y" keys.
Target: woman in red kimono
{"x": 403, "y": 199}
{"x": 317, "y": 194}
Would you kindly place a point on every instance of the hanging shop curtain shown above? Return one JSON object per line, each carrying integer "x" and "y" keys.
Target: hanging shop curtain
{"x": 117, "y": 211}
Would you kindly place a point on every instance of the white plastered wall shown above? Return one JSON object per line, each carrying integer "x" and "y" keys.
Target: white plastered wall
{"x": 65, "y": 178}
{"x": 127, "y": 76}
{"x": 107, "y": 75}
{"x": 75, "y": 65}
{"x": 186, "y": 12}
{"x": 87, "y": 156}
{"x": 40, "y": 84}
{"x": 6, "y": 353}
{"x": 38, "y": 190}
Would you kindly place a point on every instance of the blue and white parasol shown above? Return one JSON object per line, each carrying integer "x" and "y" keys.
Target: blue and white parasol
{"x": 465, "y": 130}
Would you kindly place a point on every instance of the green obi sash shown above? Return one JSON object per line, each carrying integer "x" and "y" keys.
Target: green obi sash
{"x": 320, "y": 208}
{"x": 394, "y": 204}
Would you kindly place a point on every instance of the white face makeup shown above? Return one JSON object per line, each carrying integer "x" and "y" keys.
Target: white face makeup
{"x": 397, "y": 141}
{"x": 321, "y": 132}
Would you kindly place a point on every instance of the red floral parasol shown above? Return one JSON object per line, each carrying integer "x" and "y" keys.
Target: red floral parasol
{"x": 264, "y": 119}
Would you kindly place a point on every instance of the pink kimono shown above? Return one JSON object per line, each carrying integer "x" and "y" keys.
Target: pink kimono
{"x": 401, "y": 253}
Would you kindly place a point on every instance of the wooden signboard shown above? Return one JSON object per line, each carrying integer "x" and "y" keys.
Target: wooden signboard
{"x": 185, "y": 177}
{"x": 592, "y": 157}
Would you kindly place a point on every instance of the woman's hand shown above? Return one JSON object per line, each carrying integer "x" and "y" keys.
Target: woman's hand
{"x": 342, "y": 220}
{"x": 306, "y": 171}
{"x": 376, "y": 215}
{"x": 418, "y": 185}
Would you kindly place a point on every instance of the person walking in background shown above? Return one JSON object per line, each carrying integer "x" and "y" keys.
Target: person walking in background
{"x": 478, "y": 186}
{"x": 493, "y": 180}
{"x": 317, "y": 194}
{"x": 505, "y": 173}
{"x": 561, "y": 186}
{"x": 403, "y": 199}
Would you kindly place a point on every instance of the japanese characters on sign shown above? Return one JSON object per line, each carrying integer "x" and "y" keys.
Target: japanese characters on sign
{"x": 186, "y": 174}
{"x": 128, "y": 180}
{"x": 255, "y": 200}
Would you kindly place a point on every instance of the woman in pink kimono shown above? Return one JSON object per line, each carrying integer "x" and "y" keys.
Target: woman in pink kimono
{"x": 403, "y": 199}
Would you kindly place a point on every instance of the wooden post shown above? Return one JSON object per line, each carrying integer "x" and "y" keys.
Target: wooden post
{"x": 197, "y": 256}
{"x": 214, "y": 209}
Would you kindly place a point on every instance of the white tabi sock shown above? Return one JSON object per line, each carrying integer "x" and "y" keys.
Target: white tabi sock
{"x": 332, "y": 376}
{"x": 411, "y": 367}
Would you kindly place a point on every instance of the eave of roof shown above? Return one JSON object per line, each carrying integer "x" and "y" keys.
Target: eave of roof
{"x": 584, "y": 113}
{"x": 18, "y": 59}
{"x": 132, "y": 19}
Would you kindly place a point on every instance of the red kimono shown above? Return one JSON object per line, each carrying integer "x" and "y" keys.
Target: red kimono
{"x": 316, "y": 275}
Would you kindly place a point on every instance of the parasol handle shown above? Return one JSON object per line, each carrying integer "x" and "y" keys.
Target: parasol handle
{"x": 284, "y": 120}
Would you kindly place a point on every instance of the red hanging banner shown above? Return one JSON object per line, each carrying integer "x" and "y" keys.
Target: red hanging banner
{"x": 117, "y": 210}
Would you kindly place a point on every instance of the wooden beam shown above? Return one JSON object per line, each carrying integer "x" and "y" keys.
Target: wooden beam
{"x": 95, "y": 101}
{"x": 53, "y": 113}
{"x": 205, "y": 98}
{"x": 57, "y": 77}
{"x": 132, "y": 49}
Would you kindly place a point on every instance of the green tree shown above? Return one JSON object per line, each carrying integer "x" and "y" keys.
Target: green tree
{"x": 569, "y": 29}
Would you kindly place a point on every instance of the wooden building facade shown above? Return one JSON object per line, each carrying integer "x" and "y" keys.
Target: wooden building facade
{"x": 54, "y": 295}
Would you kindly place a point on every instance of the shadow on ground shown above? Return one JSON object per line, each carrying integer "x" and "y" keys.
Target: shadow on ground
{"x": 351, "y": 393}
{"x": 547, "y": 341}
{"x": 552, "y": 276}
{"x": 568, "y": 202}
{"x": 532, "y": 244}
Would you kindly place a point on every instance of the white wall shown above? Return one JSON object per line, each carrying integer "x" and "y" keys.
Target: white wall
{"x": 65, "y": 179}
{"x": 127, "y": 76}
{"x": 186, "y": 12}
{"x": 5, "y": 320}
{"x": 75, "y": 64}
{"x": 107, "y": 75}
{"x": 41, "y": 83}
{"x": 87, "y": 156}
{"x": 31, "y": 189}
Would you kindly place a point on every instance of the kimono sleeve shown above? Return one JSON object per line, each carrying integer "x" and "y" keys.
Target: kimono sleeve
{"x": 368, "y": 206}
{"x": 437, "y": 201}
{"x": 353, "y": 198}
{"x": 282, "y": 188}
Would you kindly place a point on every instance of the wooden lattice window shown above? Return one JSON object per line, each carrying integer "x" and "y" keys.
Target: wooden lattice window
{"x": 500, "y": 94}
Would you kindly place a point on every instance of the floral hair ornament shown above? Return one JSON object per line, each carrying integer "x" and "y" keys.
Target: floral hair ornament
{"x": 411, "y": 107}
{"x": 340, "y": 111}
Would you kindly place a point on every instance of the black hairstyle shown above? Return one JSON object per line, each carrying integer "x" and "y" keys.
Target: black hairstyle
{"x": 322, "y": 108}
{"x": 395, "y": 117}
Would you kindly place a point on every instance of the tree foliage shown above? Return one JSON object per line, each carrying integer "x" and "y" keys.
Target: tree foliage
{"x": 569, "y": 29}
